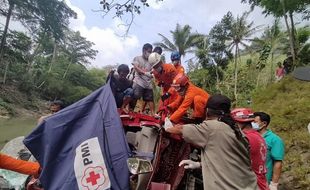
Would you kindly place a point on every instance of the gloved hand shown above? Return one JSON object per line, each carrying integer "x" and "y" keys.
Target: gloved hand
{"x": 168, "y": 123}
{"x": 189, "y": 164}
{"x": 273, "y": 186}
{"x": 165, "y": 96}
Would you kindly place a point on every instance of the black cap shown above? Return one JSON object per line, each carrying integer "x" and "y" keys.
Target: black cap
{"x": 123, "y": 67}
{"x": 219, "y": 102}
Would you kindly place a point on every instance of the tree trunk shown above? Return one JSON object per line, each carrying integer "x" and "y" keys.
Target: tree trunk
{"x": 30, "y": 62}
{"x": 5, "y": 31}
{"x": 64, "y": 76}
{"x": 53, "y": 57}
{"x": 5, "y": 72}
{"x": 217, "y": 79}
{"x": 294, "y": 34}
{"x": 290, "y": 35}
{"x": 271, "y": 68}
{"x": 236, "y": 73}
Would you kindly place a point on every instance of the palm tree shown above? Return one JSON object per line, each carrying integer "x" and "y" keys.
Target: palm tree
{"x": 183, "y": 40}
{"x": 206, "y": 61}
{"x": 240, "y": 33}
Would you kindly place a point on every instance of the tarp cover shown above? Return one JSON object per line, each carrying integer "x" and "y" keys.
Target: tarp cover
{"x": 82, "y": 146}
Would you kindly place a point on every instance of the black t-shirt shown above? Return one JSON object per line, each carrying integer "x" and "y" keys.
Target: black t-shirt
{"x": 119, "y": 85}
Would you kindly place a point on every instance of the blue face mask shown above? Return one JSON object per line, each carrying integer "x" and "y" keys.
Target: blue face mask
{"x": 255, "y": 126}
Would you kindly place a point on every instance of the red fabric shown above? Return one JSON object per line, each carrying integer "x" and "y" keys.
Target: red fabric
{"x": 194, "y": 97}
{"x": 20, "y": 166}
{"x": 280, "y": 72}
{"x": 258, "y": 152}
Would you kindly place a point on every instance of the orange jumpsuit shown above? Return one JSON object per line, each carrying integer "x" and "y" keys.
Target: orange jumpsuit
{"x": 194, "y": 97}
{"x": 20, "y": 166}
{"x": 165, "y": 79}
{"x": 179, "y": 68}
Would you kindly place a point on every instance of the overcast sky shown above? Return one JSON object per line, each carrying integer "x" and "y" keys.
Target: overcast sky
{"x": 161, "y": 17}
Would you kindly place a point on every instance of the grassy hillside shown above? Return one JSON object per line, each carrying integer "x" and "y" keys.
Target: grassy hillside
{"x": 288, "y": 103}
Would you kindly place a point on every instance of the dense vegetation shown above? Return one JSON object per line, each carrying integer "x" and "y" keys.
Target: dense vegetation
{"x": 288, "y": 103}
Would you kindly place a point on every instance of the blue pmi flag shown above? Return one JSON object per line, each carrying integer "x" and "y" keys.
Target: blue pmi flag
{"x": 82, "y": 146}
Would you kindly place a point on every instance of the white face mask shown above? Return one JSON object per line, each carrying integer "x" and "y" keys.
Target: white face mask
{"x": 255, "y": 126}
{"x": 175, "y": 62}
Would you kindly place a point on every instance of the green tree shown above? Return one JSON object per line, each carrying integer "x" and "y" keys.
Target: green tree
{"x": 79, "y": 50}
{"x": 271, "y": 42}
{"x": 46, "y": 15}
{"x": 202, "y": 51}
{"x": 218, "y": 36}
{"x": 240, "y": 33}
{"x": 183, "y": 40}
{"x": 207, "y": 62}
{"x": 303, "y": 36}
{"x": 284, "y": 8}
{"x": 18, "y": 48}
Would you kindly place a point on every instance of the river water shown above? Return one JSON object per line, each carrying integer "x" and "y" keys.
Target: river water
{"x": 14, "y": 127}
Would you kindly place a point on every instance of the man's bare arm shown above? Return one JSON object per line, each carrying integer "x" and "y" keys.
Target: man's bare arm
{"x": 138, "y": 69}
{"x": 277, "y": 167}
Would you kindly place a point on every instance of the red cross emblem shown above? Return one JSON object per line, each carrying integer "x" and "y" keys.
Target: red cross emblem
{"x": 94, "y": 178}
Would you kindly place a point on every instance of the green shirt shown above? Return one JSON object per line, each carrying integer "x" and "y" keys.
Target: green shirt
{"x": 275, "y": 151}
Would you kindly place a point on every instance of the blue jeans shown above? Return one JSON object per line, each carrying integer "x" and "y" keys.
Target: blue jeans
{"x": 119, "y": 96}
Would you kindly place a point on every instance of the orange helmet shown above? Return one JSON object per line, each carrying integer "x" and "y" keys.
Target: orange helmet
{"x": 180, "y": 80}
{"x": 242, "y": 114}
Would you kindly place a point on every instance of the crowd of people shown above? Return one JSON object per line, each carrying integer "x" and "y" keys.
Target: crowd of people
{"x": 178, "y": 94}
{"x": 238, "y": 150}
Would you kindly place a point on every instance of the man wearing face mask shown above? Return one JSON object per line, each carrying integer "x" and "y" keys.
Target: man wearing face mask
{"x": 258, "y": 148}
{"x": 190, "y": 96}
{"x": 142, "y": 83}
{"x": 164, "y": 75}
{"x": 176, "y": 61}
{"x": 275, "y": 149}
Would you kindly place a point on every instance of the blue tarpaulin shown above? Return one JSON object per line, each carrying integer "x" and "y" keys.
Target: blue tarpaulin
{"x": 82, "y": 146}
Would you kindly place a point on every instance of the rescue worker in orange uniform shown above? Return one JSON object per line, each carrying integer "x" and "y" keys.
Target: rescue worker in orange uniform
{"x": 164, "y": 75}
{"x": 176, "y": 61}
{"x": 190, "y": 96}
{"x": 20, "y": 166}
